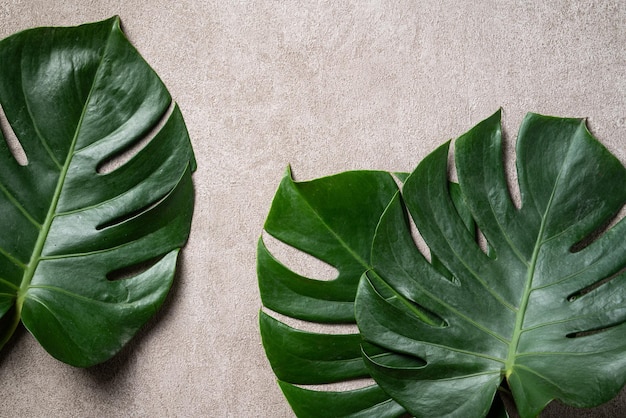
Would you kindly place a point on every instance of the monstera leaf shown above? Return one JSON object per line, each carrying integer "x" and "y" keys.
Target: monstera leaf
{"x": 333, "y": 219}
{"x": 538, "y": 309}
{"x": 87, "y": 254}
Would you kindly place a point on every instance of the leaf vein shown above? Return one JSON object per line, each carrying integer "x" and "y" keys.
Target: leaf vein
{"x": 511, "y": 243}
{"x": 448, "y": 379}
{"x": 441, "y": 302}
{"x": 74, "y": 295}
{"x": 9, "y": 284}
{"x": 536, "y": 373}
{"x": 19, "y": 206}
{"x": 340, "y": 240}
{"x": 469, "y": 353}
{"x": 473, "y": 273}
{"x": 484, "y": 284}
{"x": 13, "y": 259}
{"x": 40, "y": 136}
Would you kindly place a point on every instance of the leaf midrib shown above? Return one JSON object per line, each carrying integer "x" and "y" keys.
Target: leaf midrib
{"x": 45, "y": 228}
{"x": 521, "y": 313}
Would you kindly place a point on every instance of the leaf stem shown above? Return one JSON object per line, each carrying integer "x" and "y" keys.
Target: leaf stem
{"x": 5, "y": 334}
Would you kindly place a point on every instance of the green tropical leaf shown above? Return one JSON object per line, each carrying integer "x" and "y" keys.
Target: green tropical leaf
{"x": 87, "y": 255}
{"x": 536, "y": 307}
{"x": 334, "y": 219}
{"x": 544, "y": 310}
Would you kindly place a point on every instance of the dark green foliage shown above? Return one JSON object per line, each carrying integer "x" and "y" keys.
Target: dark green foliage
{"x": 538, "y": 308}
{"x": 75, "y": 98}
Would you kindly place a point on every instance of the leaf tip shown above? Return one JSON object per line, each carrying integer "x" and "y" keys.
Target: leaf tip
{"x": 288, "y": 171}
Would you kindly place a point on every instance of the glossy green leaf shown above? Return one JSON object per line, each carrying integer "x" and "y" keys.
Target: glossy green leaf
{"x": 87, "y": 255}
{"x": 545, "y": 310}
{"x": 537, "y": 307}
{"x": 334, "y": 219}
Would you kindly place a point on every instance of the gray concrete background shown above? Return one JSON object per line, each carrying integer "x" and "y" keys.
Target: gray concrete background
{"x": 325, "y": 86}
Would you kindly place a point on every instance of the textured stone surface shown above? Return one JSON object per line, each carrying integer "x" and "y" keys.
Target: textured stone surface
{"x": 324, "y": 86}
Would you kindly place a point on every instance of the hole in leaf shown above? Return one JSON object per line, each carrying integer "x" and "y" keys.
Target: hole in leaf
{"x": 122, "y": 156}
{"x": 483, "y": 244}
{"x": 133, "y": 270}
{"x": 419, "y": 242}
{"x": 11, "y": 139}
{"x": 452, "y": 174}
{"x": 481, "y": 240}
{"x": 577, "y": 295}
{"x": 596, "y": 234}
{"x": 315, "y": 327}
{"x": 123, "y": 218}
{"x": 400, "y": 178}
{"x": 509, "y": 157}
{"x": 298, "y": 261}
{"x": 586, "y": 333}
{"x": 346, "y": 385}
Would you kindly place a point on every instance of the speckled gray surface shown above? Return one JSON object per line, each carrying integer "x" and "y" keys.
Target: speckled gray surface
{"x": 325, "y": 86}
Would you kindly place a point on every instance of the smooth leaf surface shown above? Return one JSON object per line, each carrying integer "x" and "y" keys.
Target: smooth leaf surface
{"x": 333, "y": 219}
{"x": 87, "y": 255}
{"x": 539, "y": 308}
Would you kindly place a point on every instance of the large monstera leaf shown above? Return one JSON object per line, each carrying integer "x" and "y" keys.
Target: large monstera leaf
{"x": 543, "y": 307}
{"x": 537, "y": 309}
{"x": 87, "y": 255}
